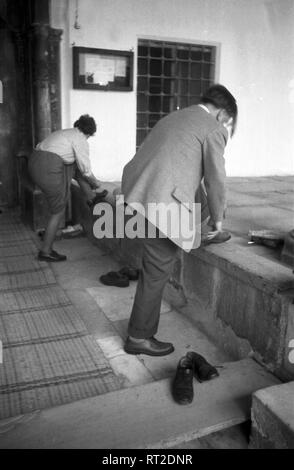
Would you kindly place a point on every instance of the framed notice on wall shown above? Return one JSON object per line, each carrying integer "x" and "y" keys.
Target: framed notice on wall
{"x": 102, "y": 69}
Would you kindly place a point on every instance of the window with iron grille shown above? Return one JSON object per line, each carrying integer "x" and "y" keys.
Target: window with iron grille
{"x": 170, "y": 76}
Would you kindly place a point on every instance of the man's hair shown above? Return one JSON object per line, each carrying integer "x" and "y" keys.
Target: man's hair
{"x": 221, "y": 98}
{"x": 86, "y": 124}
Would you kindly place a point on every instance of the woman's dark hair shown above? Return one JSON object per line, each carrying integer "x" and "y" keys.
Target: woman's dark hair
{"x": 221, "y": 98}
{"x": 86, "y": 124}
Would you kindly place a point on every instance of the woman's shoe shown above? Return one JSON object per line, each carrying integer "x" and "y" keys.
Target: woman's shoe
{"x": 51, "y": 257}
{"x": 115, "y": 279}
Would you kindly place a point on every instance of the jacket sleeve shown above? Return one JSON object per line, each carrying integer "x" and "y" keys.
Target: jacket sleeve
{"x": 201, "y": 198}
{"x": 214, "y": 172}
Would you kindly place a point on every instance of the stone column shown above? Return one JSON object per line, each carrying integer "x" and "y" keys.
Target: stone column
{"x": 24, "y": 93}
{"x": 54, "y": 77}
{"x": 8, "y": 119}
{"x": 41, "y": 81}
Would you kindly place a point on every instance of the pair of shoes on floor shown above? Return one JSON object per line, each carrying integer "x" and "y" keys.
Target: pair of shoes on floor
{"x": 191, "y": 365}
{"x": 98, "y": 198}
{"x": 120, "y": 278}
{"x": 221, "y": 237}
{"x": 51, "y": 257}
{"x": 150, "y": 346}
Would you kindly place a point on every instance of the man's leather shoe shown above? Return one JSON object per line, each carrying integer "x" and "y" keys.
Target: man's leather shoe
{"x": 53, "y": 256}
{"x": 202, "y": 369}
{"x": 150, "y": 346}
{"x": 182, "y": 387}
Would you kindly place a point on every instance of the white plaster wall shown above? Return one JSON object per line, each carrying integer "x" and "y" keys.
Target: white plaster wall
{"x": 256, "y": 40}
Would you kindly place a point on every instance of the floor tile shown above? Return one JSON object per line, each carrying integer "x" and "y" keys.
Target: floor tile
{"x": 93, "y": 317}
{"x": 117, "y": 302}
{"x": 130, "y": 370}
{"x": 112, "y": 346}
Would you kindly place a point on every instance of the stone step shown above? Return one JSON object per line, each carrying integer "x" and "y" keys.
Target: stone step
{"x": 144, "y": 416}
{"x": 273, "y": 418}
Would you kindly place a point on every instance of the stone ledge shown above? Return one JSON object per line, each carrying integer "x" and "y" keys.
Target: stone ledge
{"x": 246, "y": 264}
{"x": 273, "y": 418}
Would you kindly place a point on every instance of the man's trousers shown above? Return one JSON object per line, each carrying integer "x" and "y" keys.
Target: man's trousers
{"x": 158, "y": 259}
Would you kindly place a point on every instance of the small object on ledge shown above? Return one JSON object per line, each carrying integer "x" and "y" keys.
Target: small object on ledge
{"x": 287, "y": 255}
{"x": 267, "y": 237}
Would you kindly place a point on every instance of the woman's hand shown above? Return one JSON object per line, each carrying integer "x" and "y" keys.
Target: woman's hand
{"x": 97, "y": 183}
{"x": 93, "y": 182}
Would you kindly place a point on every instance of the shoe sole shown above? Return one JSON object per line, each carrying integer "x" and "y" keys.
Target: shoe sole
{"x": 148, "y": 353}
{"x": 183, "y": 402}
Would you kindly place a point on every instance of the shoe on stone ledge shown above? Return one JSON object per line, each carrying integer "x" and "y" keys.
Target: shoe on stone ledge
{"x": 203, "y": 371}
{"x": 150, "y": 346}
{"x": 182, "y": 386}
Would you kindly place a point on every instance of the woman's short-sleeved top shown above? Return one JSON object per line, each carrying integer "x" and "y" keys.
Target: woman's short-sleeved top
{"x": 71, "y": 145}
